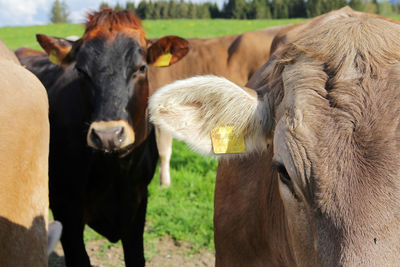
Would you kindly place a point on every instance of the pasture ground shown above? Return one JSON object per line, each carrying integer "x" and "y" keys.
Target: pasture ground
{"x": 179, "y": 229}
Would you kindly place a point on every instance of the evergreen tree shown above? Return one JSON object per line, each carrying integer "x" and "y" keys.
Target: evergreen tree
{"x": 59, "y": 12}
{"x": 163, "y": 9}
{"x": 118, "y": 7}
{"x": 356, "y": 5}
{"x": 314, "y": 8}
{"x": 183, "y": 10}
{"x": 130, "y": 6}
{"x": 141, "y": 9}
{"x": 260, "y": 10}
{"x": 173, "y": 9}
{"x": 104, "y": 5}
{"x": 341, "y": 3}
{"x": 297, "y": 9}
{"x": 192, "y": 11}
{"x": 145, "y": 9}
{"x": 203, "y": 11}
{"x": 327, "y": 5}
{"x": 385, "y": 8}
{"x": 370, "y": 7}
{"x": 214, "y": 10}
{"x": 235, "y": 9}
{"x": 156, "y": 11}
{"x": 280, "y": 9}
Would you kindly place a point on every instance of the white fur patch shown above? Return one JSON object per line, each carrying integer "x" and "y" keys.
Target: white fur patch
{"x": 190, "y": 109}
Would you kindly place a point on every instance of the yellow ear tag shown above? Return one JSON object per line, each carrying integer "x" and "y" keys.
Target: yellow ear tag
{"x": 226, "y": 141}
{"x": 53, "y": 57}
{"x": 163, "y": 60}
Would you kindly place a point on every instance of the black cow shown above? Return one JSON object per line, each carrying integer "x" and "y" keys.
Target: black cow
{"x": 102, "y": 149}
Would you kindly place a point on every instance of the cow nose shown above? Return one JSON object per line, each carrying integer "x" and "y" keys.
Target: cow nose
{"x": 107, "y": 139}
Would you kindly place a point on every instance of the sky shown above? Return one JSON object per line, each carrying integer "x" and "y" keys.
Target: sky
{"x": 37, "y": 12}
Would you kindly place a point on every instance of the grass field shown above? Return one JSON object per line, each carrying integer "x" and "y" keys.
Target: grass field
{"x": 184, "y": 211}
{"x": 16, "y": 37}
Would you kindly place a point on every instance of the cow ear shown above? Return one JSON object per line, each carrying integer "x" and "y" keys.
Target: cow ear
{"x": 167, "y": 51}
{"x": 60, "y": 50}
{"x": 212, "y": 115}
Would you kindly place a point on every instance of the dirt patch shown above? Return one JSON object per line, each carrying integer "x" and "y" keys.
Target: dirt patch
{"x": 168, "y": 254}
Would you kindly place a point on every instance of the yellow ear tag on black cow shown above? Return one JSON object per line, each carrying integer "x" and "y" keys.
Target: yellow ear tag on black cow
{"x": 163, "y": 60}
{"x": 226, "y": 141}
{"x": 53, "y": 57}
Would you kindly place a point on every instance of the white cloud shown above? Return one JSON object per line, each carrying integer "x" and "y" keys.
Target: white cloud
{"x": 31, "y": 12}
{"x": 23, "y": 12}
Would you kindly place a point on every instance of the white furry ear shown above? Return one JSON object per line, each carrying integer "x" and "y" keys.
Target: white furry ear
{"x": 190, "y": 109}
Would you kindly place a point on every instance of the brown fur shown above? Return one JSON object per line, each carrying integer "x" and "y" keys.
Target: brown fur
{"x": 108, "y": 22}
{"x": 329, "y": 112}
{"x": 7, "y": 54}
{"x": 235, "y": 57}
{"x": 335, "y": 91}
{"x": 24, "y": 135}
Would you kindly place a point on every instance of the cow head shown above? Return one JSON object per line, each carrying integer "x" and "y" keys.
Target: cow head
{"x": 111, "y": 61}
{"x": 328, "y": 103}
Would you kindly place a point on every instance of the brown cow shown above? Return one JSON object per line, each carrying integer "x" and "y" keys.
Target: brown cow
{"x": 24, "y": 150}
{"x": 235, "y": 57}
{"x": 319, "y": 184}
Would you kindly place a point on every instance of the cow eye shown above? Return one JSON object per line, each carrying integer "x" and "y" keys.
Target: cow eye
{"x": 283, "y": 175}
{"x": 142, "y": 68}
{"x": 81, "y": 72}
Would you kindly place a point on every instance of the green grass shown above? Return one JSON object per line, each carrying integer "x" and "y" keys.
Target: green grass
{"x": 184, "y": 211}
{"x": 16, "y": 37}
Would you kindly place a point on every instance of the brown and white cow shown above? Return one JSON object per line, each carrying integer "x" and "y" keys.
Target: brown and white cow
{"x": 319, "y": 181}
{"x": 24, "y": 151}
{"x": 235, "y": 57}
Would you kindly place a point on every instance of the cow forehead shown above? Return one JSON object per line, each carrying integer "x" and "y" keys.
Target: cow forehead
{"x": 108, "y": 24}
{"x": 349, "y": 175}
{"x": 338, "y": 121}
{"x": 111, "y": 35}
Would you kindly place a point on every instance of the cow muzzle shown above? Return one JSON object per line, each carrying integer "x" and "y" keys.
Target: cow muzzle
{"x": 110, "y": 136}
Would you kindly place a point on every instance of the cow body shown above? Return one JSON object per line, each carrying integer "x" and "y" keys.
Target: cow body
{"x": 318, "y": 184}
{"x": 102, "y": 149}
{"x": 235, "y": 57}
{"x": 24, "y": 131}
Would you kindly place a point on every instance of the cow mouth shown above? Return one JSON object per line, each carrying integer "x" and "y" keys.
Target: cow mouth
{"x": 120, "y": 152}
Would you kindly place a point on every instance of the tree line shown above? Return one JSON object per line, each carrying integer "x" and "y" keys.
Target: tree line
{"x": 252, "y": 9}
{"x": 237, "y": 9}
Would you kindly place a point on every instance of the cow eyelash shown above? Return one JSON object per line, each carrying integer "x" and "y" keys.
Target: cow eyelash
{"x": 81, "y": 72}
{"x": 283, "y": 174}
{"x": 284, "y": 177}
{"x": 142, "y": 68}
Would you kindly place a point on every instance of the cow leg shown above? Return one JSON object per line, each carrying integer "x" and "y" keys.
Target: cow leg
{"x": 132, "y": 240}
{"x": 164, "y": 145}
{"x": 72, "y": 240}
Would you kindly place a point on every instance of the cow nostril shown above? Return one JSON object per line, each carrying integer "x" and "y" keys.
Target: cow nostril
{"x": 96, "y": 138}
{"x": 120, "y": 135}
{"x": 107, "y": 138}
